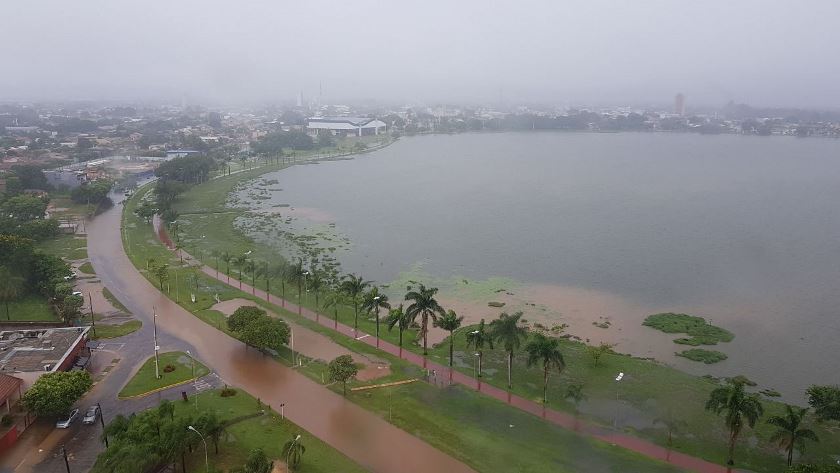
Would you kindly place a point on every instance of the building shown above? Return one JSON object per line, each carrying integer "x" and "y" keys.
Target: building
{"x": 180, "y": 153}
{"x": 29, "y": 354}
{"x": 345, "y": 126}
{"x": 679, "y": 104}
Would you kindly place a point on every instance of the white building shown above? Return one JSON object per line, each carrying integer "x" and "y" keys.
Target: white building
{"x": 345, "y": 126}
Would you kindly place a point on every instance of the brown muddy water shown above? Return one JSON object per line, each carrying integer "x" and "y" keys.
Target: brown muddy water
{"x": 584, "y": 228}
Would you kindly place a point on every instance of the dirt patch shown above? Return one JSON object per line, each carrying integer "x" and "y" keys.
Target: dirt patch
{"x": 315, "y": 345}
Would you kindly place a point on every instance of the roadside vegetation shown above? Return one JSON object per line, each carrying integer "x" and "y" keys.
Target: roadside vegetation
{"x": 116, "y": 330}
{"x": 174, "y": 367}
{"x": 239, "y": 431}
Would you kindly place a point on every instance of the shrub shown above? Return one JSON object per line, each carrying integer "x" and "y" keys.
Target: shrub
{"x": 168, "y": 369}
{"x": 227, "y": 392}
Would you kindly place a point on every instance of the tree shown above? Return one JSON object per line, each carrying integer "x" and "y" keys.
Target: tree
{"x": 449, "y": 322}
{"x": 258, "y": 462}
{"x": 335, "y": 300}
{"x": 22, "y": 208}
{"x": 477, "y": 339}
{"x": 226, "y": 258}
{"x": 825, "y": 400}
{"x": 737, "y": 406}
{"x": 424, "y": 305}
{"x": 209, "y": 423}
{"x": 316, "y": 283}
{"x": 11, "y": 288}
{"x": 161, "y": 272}
{"x": 789, "y": 434}
{"x": 240, "y": 262}
{"x": 146, "y": 210}
{"x": 353, "y": 287}
{"x": 545, "y": 350}
{"x": 292, "y": 451}
{"x": 53, "y": 394}
{"x": 266, "y": 333}
{"x": 166, "y": 409}
{"x": 507, "y": 331}
{"x": 597, "y": 352}
{"x": 672, "y": 424}
{"x": 399, "y": 318}
{"x": 372, "y": 302}
{"x": 244, "y": 316}
{"x": 70, "y": 307}
{"x": 574, "y": 393}
{"x": 341, "y": 370}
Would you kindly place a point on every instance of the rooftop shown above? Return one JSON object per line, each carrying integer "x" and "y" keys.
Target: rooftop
{"x": 37, "y": 350}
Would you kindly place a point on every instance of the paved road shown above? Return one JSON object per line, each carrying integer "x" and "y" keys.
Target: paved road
{"x": 366, "y": 438}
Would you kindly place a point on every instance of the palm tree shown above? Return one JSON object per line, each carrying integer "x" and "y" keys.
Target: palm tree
{"x": 11, "y": 288}
{"x": 477, "y": 339}
{"x": 316, "y": 283}
{"x": 790, "y": 436}
{"x": 450, "y": 322}
{"x": 372, "y": 301}
{"x": 179, "y": 248}
{"x": 507, "y": 331}
{"x": 353, "y": 287}
{"x": 335, "y": 300}
{"x": 575, "y": 394}
{"x": 672, "y": 424}
{"x": 226, "y": 258}
{"x": 215, "y": 254}
{"x": 292, "y": 452}
{"x": 398, "y": 317}
{"x": 426, "y": 306}
{"x": 240, "y": 262}
{"x": 738, "y": 406}
{"x": 546, "y": 350}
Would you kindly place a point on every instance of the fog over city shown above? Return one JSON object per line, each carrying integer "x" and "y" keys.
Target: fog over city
{"x": 778, "y": 54}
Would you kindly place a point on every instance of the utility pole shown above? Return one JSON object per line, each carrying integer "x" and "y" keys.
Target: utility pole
{"x": 92, "y": 319}
{"x": 154, "y": 332}
{"x": 66, "y": 462}
{"x": 102, "y": 421}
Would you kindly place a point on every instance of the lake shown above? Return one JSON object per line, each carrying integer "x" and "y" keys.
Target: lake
{"x": 579, "y": 228}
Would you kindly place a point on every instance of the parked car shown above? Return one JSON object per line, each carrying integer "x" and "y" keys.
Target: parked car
{"x": 64, "y": 423}
{"x": 77, "y": 293}
{"x": 91, "y": 415}
{"x": 72, "y": 275}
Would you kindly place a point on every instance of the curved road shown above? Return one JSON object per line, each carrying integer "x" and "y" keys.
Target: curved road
{"x": 369, "y": 440}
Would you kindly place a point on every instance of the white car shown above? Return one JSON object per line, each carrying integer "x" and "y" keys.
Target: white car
{"x": 91, "y": 415}
{"x": 70, "y": 276}
{"x": 64, "y": 423}
{"x": 77, "y": 293}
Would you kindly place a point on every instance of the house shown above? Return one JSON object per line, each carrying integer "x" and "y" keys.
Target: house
{"x": 29, "y": 354}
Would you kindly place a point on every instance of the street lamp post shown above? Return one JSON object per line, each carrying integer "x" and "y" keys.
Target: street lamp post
{"x": 376, "y": 305}
{"x": 475, "y": 363}
{"x": 282, "y": 413}
{"x": 618, "y": 379}
{"x": 195, "y": 381}
{"x": 300, "y": 303}
{"x": 154, "y": 334}
{"x": 206, "y": 461}
{"x": 92, "y": 318}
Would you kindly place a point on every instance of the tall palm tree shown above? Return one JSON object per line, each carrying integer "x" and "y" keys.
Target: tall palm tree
{"x": 11, "y": 288}
{"x": 297, "y": 273}
{"x": 335, "y": 300}
{"x": 790, "y": 436}
{"x": 545, "y": 350}
{"x": 575, "y": 394}
{"x": 738, "y": 406}
{"x": 239, "y": 262}
{"x": 477, "y": 339}
{"x": 507, "y": 331}
{"x": 372, "y": 301}
{"x": 423, "y": 304}
{"x": 292, "y": 452}
{"x": 226, "y": 258}
{"x": 353, "y": 287}
{"x": 215, "y": 254}
{"x": 450, "y": 322}
{"x": 398, "y": 317}
{"x": 316, "y": 283}
{"x": 251, "y": 267}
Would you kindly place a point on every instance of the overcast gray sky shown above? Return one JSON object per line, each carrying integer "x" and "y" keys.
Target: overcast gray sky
{"x": 770, "y": 52}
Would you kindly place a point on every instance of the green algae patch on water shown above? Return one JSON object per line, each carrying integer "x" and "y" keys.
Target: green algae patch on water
{"x": 700, "y": 332}
{"x": 700, "y": 354}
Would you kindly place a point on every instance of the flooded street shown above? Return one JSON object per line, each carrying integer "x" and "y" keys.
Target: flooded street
{"x": 359, "y": 434}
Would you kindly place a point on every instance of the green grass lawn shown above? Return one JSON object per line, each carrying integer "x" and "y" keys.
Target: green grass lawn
{"x": 649, "y": 391}
{"x": 31, "y": 307}
{"x": 116, "y": 330}
{"x": 66, "y": 246}
{"x": 87, "y": 268}
{"x": 268, "y": 432}
{"x": 144, "y": 381}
